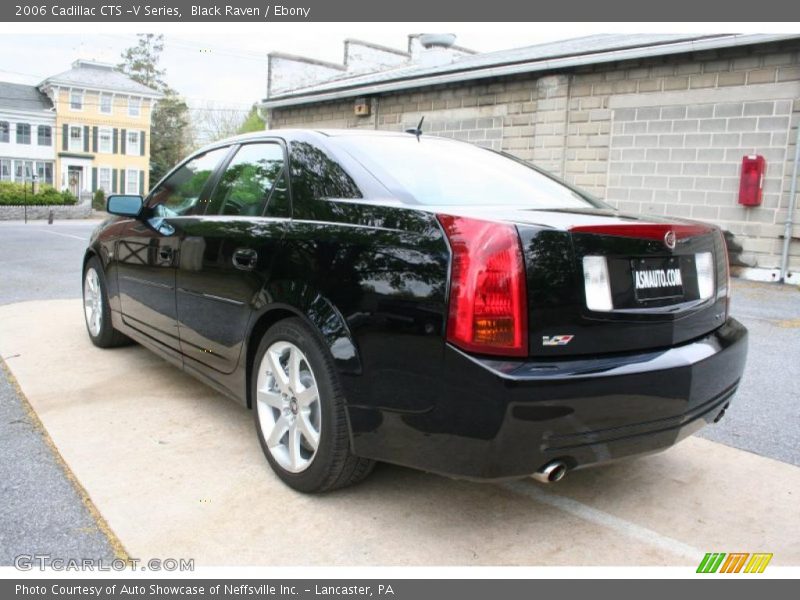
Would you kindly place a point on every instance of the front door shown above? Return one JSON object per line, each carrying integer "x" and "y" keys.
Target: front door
{"x": 227, "y": 254}
{"x": 75, "y": 180}
{"x": 148, "y": 249}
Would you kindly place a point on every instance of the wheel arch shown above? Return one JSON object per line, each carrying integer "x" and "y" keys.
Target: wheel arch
{"x": 321, "y": 315}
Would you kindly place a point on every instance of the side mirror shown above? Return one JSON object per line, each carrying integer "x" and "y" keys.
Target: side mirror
{"x": 125, "y": 206}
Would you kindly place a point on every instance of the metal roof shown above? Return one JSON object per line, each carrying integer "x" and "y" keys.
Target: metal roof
{"x": 564, "y": 54}
{"x": 15, "y": 96}
{"x": 99, "y": 76}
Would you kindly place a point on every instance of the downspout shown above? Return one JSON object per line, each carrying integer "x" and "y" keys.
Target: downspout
{"x": 787, "y": 232}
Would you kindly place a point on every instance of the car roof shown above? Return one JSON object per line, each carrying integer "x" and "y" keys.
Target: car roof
{"x": 295, "y": 133}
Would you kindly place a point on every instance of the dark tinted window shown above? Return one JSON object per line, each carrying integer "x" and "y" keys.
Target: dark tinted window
{"x": 180, "y": 192}
{"x": 23, "y": 133}
{"x": 3, "y": 131}
{"x": 45, "y": 135}
{"x": 248, "y": 181}
{"x": 316, "y": 176}
{"x": 438, "y": 171}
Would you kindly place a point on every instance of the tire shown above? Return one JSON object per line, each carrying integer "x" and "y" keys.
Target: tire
{"x": 102, "y": 332}
{"x": 286, "y": 415}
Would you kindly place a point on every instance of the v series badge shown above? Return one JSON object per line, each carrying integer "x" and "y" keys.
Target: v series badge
{"x": 556, "y": 340}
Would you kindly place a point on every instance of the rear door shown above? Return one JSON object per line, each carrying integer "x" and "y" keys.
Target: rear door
{"x": 227, "y": 253}
{"x": 148, "y": 249}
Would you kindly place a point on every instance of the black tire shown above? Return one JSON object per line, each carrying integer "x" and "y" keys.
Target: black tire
{"x": 107, "y": 336}
{"x": 334, "y": 465}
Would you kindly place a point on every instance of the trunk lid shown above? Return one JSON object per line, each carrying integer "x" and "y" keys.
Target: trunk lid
{"x": 665, "y": 281}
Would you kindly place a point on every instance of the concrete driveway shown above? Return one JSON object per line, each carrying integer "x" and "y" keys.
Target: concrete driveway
{"x": 176, "y": 471}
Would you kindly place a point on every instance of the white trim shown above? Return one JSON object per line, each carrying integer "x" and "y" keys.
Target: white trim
{"x": 139, "y": 106}
{"x": 137, "y": 146}
{"x": 69, "y": 137}
{"x": 128, "y": 181}
{"x": 51, "y": 83}
{"x": 100, "y": 96}
{"x": 110, "y": 131}
{"x": 110, "y": 179}
{"x": 83, "y": 99}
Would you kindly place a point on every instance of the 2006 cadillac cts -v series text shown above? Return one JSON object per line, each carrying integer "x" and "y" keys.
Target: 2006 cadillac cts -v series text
{"x": 421, "y": 301}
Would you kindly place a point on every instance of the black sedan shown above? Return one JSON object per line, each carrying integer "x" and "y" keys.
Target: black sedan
{"x": 378, "y": 296}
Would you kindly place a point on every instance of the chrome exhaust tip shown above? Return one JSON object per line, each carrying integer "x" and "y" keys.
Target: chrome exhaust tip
{"x": 551, "y": 472}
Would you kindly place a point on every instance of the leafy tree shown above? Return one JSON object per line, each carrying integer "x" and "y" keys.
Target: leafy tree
{"x": 169, "y": 123}
{"x": 253, "y": 122}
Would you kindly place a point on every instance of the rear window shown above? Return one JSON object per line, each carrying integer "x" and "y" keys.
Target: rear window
{"x": 440, "y": 172}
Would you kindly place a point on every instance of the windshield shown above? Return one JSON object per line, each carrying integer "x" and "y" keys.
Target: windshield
{"x": 437, "y": 171}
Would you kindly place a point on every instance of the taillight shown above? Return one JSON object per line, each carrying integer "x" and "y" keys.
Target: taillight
{"x": 488, "y": 300}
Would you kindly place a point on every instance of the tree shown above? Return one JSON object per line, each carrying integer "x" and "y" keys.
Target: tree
{"x": 253, "y": 122}
{"x": 213, "y": 122}
{"x": 169, "y": 130}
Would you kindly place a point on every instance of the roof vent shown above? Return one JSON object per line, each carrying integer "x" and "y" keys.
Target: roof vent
{"x": 437, "y": 40}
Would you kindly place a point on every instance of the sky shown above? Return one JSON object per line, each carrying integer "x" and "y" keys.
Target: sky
{"x": 228, "y": 69}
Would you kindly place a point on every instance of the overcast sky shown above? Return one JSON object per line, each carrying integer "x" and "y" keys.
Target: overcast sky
{"x": 230, "y": 68}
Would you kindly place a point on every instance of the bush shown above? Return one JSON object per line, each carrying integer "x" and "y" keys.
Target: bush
{"x": 16, "y": 194}
{"x": 99, "y": 200}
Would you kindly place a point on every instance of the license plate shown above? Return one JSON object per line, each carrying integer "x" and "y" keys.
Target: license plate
{"x": 657, "y": 278}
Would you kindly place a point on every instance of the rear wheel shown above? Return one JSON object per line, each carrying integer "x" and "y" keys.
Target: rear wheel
{"x": 96, "y": 308}
{"x": 299, "y": 411}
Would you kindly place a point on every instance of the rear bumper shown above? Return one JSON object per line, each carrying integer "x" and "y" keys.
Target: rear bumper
{"x": 499, "y": 419}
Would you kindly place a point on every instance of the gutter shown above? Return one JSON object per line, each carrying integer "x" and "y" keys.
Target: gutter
{"x": 787, "y": 232}
{"x": 568, "y": 62}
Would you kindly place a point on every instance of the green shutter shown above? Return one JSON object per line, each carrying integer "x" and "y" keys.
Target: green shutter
{"x": 115, "y": 142}
{"x": 123, "y": 141}
{"x": 122, "y": 181}
{"x": 114, "y": 189}
{"x": 85, "y": 138}
{"x": 94, "y": 179}
{"x": 141, "y": 183}
{"x": 65, "y": 138}
{"x": 141, "y": 143}
{"x": 94, "y": 139}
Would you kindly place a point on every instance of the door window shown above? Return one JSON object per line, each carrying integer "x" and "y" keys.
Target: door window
{"x": 249, "y": 181}
{"x": 180, "y": 192}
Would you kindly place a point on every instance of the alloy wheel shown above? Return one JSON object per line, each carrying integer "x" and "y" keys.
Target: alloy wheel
{"x": 289, "y": 411}
{"x": 93, "y": 302}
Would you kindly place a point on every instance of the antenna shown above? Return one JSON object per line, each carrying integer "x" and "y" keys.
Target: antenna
{"x": 418, "y": 130}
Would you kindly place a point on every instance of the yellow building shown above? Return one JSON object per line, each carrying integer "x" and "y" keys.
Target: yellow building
{"x": 102, "y": 133}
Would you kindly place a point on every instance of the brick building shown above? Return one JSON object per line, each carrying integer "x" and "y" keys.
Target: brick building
{"x": 651, "y": 123}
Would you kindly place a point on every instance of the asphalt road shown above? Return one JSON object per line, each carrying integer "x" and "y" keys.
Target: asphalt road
{"x": 40, "y": 261}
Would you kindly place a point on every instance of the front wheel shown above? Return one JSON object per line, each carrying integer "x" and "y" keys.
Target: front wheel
{"x": 96, "y": 308}
{"x": 299, "y": 411}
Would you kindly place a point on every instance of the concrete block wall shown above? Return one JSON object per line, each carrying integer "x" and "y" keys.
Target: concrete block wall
{"x": 663, "y": 135}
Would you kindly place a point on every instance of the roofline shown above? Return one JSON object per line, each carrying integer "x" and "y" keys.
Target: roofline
{"x": 305, "y": 59}
{"x": 710, "y": 42}
{"x": 380, "y": 47}
{"x": 50, "y": 82}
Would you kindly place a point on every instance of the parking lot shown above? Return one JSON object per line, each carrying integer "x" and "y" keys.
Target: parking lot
{"x": 171, "y": 468}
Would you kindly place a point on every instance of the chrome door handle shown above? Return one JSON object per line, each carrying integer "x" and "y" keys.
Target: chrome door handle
{"x": 245, "y": 259}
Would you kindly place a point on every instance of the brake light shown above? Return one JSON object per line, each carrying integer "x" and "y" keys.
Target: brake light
{"x": 488, "y": 300}
{"x": 646, "y": 231}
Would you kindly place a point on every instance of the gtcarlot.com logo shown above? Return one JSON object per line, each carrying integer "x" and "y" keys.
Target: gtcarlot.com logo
{"x": 28, "y": 562}
{"x": 734, "y": 562}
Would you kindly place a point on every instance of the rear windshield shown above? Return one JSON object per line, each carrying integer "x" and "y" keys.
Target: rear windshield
{"x": 437, "y": 171}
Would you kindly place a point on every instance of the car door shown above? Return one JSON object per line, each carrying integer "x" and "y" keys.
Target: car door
{"x": 148, "y": 248}
{"x": 226, "y": 254}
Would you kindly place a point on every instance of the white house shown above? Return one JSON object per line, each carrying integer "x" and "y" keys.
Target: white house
{"x": 27, "y": 134}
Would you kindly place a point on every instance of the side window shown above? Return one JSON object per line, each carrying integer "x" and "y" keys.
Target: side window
{"x": 180, "y": 192}
{"x": 253, "y": 177}
{"x": 316, "y": 176}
